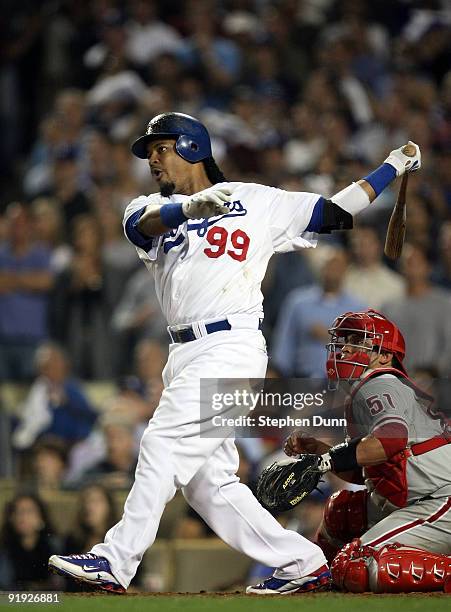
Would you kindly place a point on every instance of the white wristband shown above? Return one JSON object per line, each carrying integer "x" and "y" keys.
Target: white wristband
{"x": 326, "y": 463}
{"x": 353, "y": 199}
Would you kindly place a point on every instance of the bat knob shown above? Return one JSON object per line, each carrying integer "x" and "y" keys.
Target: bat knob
{"x": 409, "y": 150}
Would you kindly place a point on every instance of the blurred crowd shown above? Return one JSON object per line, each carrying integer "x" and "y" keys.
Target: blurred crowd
{"x": 306, "y": 95}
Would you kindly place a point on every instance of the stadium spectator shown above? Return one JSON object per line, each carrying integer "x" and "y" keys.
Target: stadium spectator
{"x": 443, "y": 160}
{"x": 116, "y": 252}
{"x": 96, "y": 513}
{"x": 55, "y": 404}
{"x": 442, "y": 271}
{"x": 116, "y": 470}
{"x": 98, "y": 166}
{"x": 27, "y": 539}
{"x": 166, "y": 71}
{"x": 140, "y": 392}
{"x": 70, "y": 108}
{"x": 369, "y": 42}
{"x": 26, "y": 278}
{"x": 134, "y": 404}
{"x": 301, "y": 331}
{"x": 66, "y": 188}
{"x": 137, "y": 315}
{"x": 367, "y": 278}
{"x": 423, "y": 315}
{"x": 39, "y": 173}
{"x": 111, "y": 44}
{"x": 48, "y": 229}
{"x": 216, "y": 59}
{"x": 147, "y": 36}
{"x": 286, "y": 272}
{"x": 83, "y": 299}
{"x": 126, "y": 186}
{"x": 306, "y": 143}
{"x": 49, "y": 462}
{"x": 420, "y": 231}
{"x": 23, "y": 31}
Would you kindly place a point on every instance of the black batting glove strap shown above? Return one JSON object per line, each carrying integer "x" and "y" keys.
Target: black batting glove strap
{"x": 342, "y": 457}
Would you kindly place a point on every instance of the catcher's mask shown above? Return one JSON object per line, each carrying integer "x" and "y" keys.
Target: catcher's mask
{"x": 192, "y": 141}
{"x": 354, "y": 337}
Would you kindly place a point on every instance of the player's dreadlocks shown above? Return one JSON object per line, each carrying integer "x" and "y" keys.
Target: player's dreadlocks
{"x": 214, "y": 174}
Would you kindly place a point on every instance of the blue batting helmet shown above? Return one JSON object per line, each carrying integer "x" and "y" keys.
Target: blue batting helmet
{"x": 192, "y": 138}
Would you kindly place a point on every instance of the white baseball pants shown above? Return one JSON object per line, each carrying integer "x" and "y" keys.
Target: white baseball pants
{"x": 173, "y": 455}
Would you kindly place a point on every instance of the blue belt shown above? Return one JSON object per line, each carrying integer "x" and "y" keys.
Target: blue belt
{"x": 187, "y": 334}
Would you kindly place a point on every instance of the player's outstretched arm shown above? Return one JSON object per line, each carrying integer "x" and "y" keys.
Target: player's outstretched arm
{"x": 157, "y": 219}
{"x": 356, "y": 197}
{"x": 337, "y": 213}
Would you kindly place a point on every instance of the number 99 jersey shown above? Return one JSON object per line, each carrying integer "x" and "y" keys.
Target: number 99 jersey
{"x": 210, "y": 268}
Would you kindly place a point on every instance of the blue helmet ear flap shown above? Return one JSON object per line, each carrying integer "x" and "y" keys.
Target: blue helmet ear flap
{"x": 191, "y": 150}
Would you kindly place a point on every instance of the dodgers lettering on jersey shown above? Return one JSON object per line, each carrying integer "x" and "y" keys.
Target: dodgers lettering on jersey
{"x": 210, "y": 268}
{"x": 387, "y": 399}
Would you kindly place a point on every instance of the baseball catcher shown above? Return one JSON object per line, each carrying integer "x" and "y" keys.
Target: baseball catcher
{"x": 395, "y": 534}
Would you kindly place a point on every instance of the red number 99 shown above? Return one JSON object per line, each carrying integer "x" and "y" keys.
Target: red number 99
{"x": 217, "y": 237}
{"x": 240, "y": 242}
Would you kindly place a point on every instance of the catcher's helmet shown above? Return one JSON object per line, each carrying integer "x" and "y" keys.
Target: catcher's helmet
{"x": 192, "y": 138}
{"x": 374, "y": 332}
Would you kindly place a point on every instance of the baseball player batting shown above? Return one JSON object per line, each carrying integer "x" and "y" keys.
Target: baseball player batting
{"x": 207, "y": 242}
{"x": 398, "y": 528}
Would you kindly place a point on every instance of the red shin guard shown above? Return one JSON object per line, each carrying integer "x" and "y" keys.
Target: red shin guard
{"x": 392, "y": 569}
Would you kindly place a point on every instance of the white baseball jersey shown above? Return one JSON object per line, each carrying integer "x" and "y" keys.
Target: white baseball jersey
{"x": 210, "y": 268}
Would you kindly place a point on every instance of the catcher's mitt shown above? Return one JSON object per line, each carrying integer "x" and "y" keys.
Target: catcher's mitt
{"x": 284, "y": 484}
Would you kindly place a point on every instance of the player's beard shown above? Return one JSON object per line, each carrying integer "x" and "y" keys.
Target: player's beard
{"x": 167, "y": 189}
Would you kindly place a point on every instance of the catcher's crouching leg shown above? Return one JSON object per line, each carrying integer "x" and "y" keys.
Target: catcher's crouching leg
{"x": 393, "y": 568}
{"x": 345, "y": 518}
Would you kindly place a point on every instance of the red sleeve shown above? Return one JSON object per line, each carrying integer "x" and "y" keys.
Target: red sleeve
{"x": 392, "y": 436}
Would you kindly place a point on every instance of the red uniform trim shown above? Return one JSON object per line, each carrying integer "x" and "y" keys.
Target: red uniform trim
{"x": 430, "y": 519}
{"x": 446, "y": 506}
{"x": 428, "y": 445}
{"x": 393, "y": 437}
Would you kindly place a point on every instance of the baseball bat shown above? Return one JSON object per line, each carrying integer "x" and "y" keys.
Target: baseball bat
{"x": 396, "y": 230}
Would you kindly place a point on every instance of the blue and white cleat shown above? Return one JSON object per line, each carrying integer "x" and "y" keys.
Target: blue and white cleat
{"x": 320, "y": 580}
{"x": 87, "y": 569}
